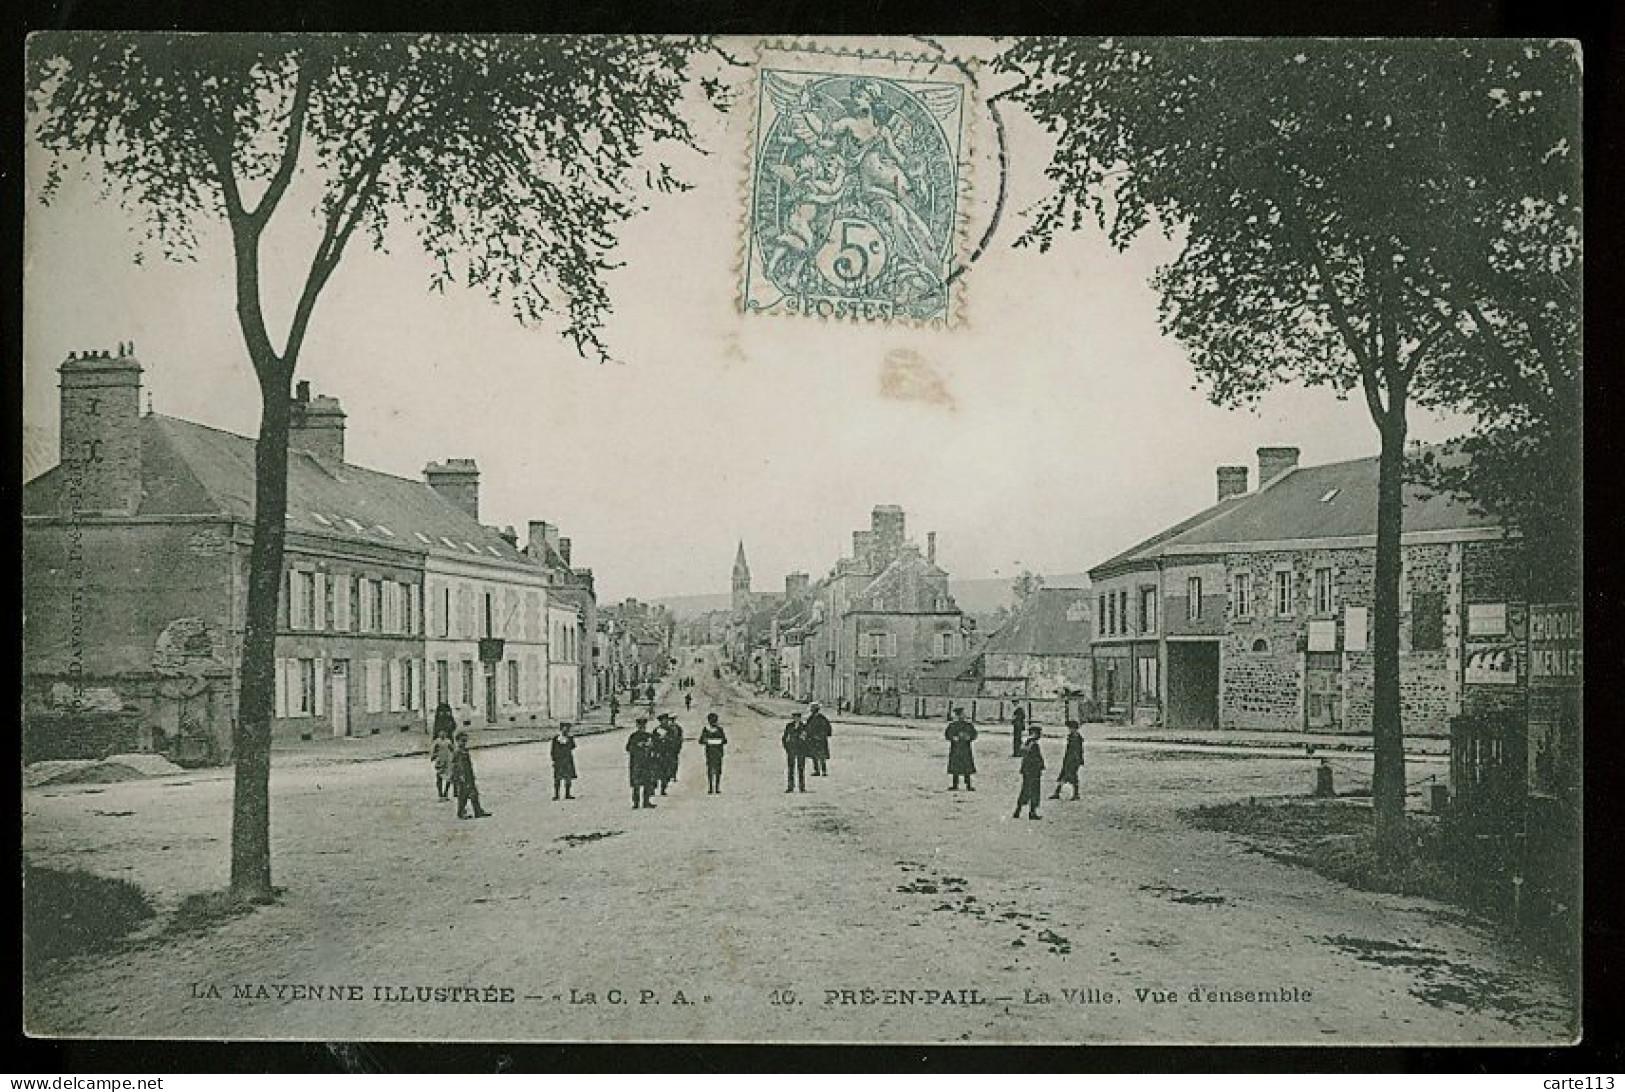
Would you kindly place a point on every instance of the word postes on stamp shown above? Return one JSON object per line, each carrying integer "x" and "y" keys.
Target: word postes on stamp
{"x": 856, "y": 182}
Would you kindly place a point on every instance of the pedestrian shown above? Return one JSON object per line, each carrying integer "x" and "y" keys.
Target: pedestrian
{"x": 961, "y": 762}
{"x": 715, "y": 741}
{"x": 1018, "y": 731}
{"x": 640, "y": 764}
{"x": 1071, "y": 761}
{"x": 614, "y": 709}
{"x": 818, "y": 731}
{"x": 564, "y": 761}
{"x": 462, "y": 780}
{"x": 688, "y": 701}
{"x": 1032, "y": 774}
{"x": 795, "y": 754}
{"x": 440, "y": 753}
{"x": 668, "y": 748}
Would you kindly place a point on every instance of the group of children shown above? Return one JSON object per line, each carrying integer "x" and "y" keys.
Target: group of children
{"x": 454, "y": 766}
{"x": 1025, "y": 746}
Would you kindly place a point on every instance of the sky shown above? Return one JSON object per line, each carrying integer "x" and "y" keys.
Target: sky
{"x": 1050, "y": 428}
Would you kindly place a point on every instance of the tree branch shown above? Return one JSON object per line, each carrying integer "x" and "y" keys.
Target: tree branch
{"x": 290, "y": 151}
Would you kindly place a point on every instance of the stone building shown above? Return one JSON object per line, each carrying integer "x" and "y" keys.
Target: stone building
{"x": 882, "y": 617}
{"x": 1256, "y": 612}
{"x": 135, "y": 575}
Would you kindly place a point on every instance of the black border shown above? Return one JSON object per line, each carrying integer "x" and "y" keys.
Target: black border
{"x": 1594, "y": 25}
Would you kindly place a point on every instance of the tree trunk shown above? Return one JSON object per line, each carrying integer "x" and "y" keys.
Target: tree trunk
{"x": 1387, "y": 731}
{"x": 256, "y": 703}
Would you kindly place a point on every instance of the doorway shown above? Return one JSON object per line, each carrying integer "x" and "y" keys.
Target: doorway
{"x": 490, "y": 694}
{"x": 1193, "y": 684}
{"x": 340, "y": 697}
{"x": 1322, "y": 700}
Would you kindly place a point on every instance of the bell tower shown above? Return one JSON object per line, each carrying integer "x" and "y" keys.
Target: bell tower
{"x": 741, "y": 583}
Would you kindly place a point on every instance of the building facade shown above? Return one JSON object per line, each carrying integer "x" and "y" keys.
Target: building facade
{"x": 1256, "y": 612}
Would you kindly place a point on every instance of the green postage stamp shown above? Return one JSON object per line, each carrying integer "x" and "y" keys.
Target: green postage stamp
{"x": 857, "y": 183}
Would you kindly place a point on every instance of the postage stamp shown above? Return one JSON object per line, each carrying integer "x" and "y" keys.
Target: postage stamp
{"x": 857, "y": 179}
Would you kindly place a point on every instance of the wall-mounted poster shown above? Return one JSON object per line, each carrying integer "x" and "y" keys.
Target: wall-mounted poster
{"x": 1497, "y": 666}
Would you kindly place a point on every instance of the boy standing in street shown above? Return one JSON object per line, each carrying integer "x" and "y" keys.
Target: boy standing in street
{"x": 795, "y": 754}
{"x": 714, "y": 741}
{"x": 462, "y": 780}
{"x": 1032, "y": 775}
{"x": 1071, "y": 761}
{"x": 564, "y": 761}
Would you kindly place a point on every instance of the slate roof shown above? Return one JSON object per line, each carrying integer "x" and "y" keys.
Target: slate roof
{"x": 1040, "y": 626}
{"x": 1332, "y": 501}
{"x": 188, "y": 468}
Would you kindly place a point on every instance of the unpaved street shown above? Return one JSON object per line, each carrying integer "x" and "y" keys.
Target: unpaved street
{"x": 761, "y": 915}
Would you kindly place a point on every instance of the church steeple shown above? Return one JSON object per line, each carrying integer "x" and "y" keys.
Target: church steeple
{"x": 741, "y": 581}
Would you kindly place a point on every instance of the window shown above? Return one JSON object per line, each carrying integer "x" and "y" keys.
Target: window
{"x": 882, "y": 682}
{"x": 947, "y": 644}
{"x": 489, "y": 617}
{"x": 1122, "y": 610}
{"x": 1193, "y": 598}
{"x": 307, "y": 688}
{"x": 1427, "y": 621}
{"x": 442, "y": 683}
{"x": 468, "y": 682}
{"x": 1241, "y": 595}
{"x": 513, "y": 682}
{"x": 302, "y": 600}
{"x": 1102, "y": 622}
{"x": 1324, "y": 597}
{"x": 1148, "y": 609}
{"x": 353, "y": 614}
{"x": 445, "y": 611}
{"x": 878, "y": 645}
{"x": 329, "y": 620}
{"x": 1283, "y": 593}
{"x": 375, "y": 686}
{"x": 392, "y": 687}
{"x": 409, "y": 671}
{"x": 372, "y": 594}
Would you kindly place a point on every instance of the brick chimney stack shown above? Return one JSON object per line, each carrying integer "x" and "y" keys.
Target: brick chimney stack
{"x": 101, "y": 437}
{"x": 543, "y": 536}
{"x": 1232, "y": 481}
{"x": 796, "y": 585}
{"x": 317, "y": 427}
{"x": 564, "y": 549}
{"x": 458, "y": 480}
{"x": 931, "y": 547}
{"x": 1275, "y": 461}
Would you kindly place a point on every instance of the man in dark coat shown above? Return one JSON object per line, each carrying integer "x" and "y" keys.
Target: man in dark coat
{"x": 795, "y": 754}
{"x": 669, "y": 748}
{"x": 614, "y": 709}
{"x": 1071, "y": 761}
{"x": 818, "y": 731}
{"x": 640, "y": 764}
{"x": 1018, "y": 731}
{"x": 462, "y": 780}
{"x": 961, "y": 763}
{"x": 1032, "y": 775}
{"x": 563, "y": 753}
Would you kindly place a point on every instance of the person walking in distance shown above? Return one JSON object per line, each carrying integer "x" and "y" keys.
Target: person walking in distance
{"x": 1071, "y": 761}
{"x": 818, "y": 731}
{"x": 961, "y": 762}
{"x": 614, "y": 709}
{"x": 1018, "y": 731}
{"x": 462, "y": 780}
{"x": 715, "y": 741}
{"x": 688, "y": 701}
{"x": 795, "y": 754}
{"x": 564, "y": 761}
{"x": 1032, "y": 775}
{"x": 640, "y": 764}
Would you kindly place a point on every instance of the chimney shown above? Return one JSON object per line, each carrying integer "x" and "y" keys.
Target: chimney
{"x": 101, "y": 439}
{"x": 564, "y": 550}
{"x": 863, "y": 546}
{"x": 886, "y": 522}
{"x": 544, "y": 536}
{"x": 317, "y": 427}
{"x": 1275, "y": 461}
{"x": 1233, "y": 480}
{"x": 510, "y": 536}
{"x": 796, "y": 585}
{"x": 458, "y": 480}
{"x": 931, "y": 547}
